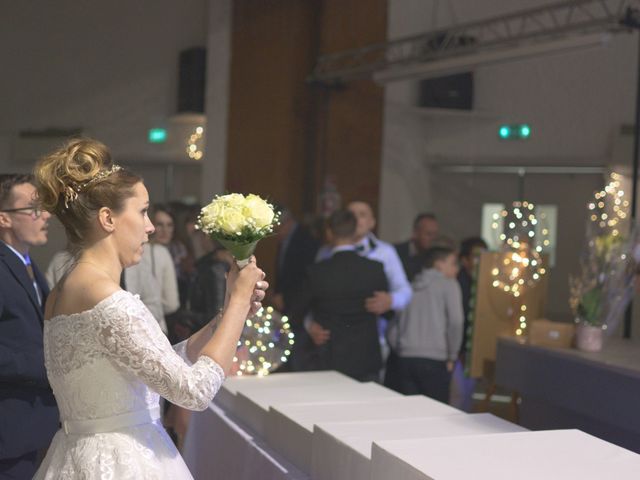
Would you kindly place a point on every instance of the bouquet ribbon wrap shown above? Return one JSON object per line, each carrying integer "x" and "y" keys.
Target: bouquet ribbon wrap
{"x": 241, "y": 251}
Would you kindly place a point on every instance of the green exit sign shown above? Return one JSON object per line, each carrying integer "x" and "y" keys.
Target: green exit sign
{"x": 157, "y": 135}
{"x": 520, "y": 131}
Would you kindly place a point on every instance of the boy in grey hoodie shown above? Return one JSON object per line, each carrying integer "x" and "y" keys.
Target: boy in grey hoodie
{"x": 428, "y": 333}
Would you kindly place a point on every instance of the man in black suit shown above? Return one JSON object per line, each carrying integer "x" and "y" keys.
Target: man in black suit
{"x": 28, "y": 412}
{"x": 344, "y": 335}
{"x": 425, "y": 231}
{"x": 297, "y": 250}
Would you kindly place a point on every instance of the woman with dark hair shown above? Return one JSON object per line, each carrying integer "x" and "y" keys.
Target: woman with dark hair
{"x": 106, "y": 358}
{"x": 160, "y": 259}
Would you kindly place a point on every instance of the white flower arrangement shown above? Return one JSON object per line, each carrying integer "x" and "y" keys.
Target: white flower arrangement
{"x": 238, "y": 222}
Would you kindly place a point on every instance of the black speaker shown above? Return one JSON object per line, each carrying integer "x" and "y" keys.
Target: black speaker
{"x": 452, "y": 91}
{"x": 192, "y": 79}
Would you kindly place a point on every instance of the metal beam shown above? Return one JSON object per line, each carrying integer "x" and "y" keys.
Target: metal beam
{"x": 563, "y": 20}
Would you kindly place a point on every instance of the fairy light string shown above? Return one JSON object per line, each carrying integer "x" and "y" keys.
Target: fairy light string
{"x": 194, "y": 148}
{"x": 265, "y": 344}
{"x": 524, "y": 237}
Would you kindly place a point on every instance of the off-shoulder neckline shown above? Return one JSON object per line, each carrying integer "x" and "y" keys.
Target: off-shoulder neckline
{"x": 101, "y": 303}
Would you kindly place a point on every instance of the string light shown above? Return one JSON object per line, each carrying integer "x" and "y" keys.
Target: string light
{"x": 524, "y": 238}
{"x": 194, "y": 147}
{"x": 609, "y": 208}
{"x": 265, "y": 344}
{"x": 521, "y": 265}
{"x": 522, "y": 321}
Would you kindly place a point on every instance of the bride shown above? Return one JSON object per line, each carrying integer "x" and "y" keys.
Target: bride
{"x": 107, "y": 359}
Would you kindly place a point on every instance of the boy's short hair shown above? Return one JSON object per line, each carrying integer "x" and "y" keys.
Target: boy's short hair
{"x": 468, "y": 245}
{"x": 342, "y": 224}
{"x": 436, "y": 254}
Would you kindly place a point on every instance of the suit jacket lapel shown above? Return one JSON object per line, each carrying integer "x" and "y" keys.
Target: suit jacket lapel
{"x": 19, "y": 271}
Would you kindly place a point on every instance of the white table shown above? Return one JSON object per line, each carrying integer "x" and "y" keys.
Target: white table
{"x": 227, "y": 395}
{"x": 217, "y": 448}
{"x": 548, "y": 455}
{"x": 290, "y": 427}
{"x": 252, "y": 406}
{"x": 349, "y": 418}
{"x": 342, "y": 451}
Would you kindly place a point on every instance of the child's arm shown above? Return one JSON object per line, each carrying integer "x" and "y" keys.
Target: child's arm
{"x": 455, "y": 319}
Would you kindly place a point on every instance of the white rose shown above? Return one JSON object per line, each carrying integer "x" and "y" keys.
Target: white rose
{"x": 235, "y": 200}
{"x": 231, "y": 220}
{"x": 208, "y": 216}
{"x": 259, "y": 210}
{"x": 211, "y": 212}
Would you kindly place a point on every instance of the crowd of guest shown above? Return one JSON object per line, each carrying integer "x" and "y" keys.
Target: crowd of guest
{"x": 376, "y": 311}
{"x": 359, "y": 305}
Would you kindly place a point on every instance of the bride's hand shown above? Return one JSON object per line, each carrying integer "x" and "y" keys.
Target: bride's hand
{"x": 247, "y": 285}
{"x": 258, "y": 295}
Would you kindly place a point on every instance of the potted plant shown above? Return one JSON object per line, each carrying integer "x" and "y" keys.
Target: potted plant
{"x": 603, "y": 289}
{"x": 590, "y": 329}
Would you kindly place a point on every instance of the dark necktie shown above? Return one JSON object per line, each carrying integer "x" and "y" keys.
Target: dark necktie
{"x": 33, "y": 278}
{"x": 30, "y": 272}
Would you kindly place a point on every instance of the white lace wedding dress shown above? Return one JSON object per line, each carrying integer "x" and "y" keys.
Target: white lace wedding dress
{"x": 106, "y": 367}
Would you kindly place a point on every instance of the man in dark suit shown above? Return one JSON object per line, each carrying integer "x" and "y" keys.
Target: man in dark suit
{"x": 28, "y": 412}
{"x": 297, "y": 250}
{"x": 425, "y": 231}
{"x": 344, "y": 335}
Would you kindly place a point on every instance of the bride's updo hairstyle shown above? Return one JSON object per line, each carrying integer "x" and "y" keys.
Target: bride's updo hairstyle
{"x": 76, "y": 181}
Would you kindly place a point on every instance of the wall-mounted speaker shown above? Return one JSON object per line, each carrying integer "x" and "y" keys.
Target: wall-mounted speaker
{"x": 192, "y": 80}
{"x": 452, "y": 91}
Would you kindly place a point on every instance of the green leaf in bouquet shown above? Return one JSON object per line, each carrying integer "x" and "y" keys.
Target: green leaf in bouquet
{"x": 239, "y": 250}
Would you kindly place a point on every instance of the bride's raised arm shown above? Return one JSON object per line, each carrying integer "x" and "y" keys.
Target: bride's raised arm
{"x": 131, "y": 339}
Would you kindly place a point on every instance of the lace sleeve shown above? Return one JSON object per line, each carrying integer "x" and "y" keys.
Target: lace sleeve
{"x": 181, "y": 349}
{"x": 134, "y": 342}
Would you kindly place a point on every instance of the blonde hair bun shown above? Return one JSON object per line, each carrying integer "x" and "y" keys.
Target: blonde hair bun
{"x": 78, "y": 179}
{"x": 76, "y": 162}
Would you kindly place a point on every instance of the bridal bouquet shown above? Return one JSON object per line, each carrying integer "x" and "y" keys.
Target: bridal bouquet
{"x": 238, "y": 223}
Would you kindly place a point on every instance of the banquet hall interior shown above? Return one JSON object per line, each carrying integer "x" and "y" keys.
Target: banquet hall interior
{"x": 503, "y": 135}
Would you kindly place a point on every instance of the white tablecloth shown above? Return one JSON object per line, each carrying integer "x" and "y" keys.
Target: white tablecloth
{"x": 218, "y": 448}
{"x": 290, "y": 427}
{"x": 342, "y": 451}
{"x": 545, "y": 455}
{"x": 224, "y": 446}
{"x": 226, "y": 397}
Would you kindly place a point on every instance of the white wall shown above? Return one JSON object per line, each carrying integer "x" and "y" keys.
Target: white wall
{"x": 575, "y": 104}
{"x": 110, "y": 68}
{"x": 217, "y": 97}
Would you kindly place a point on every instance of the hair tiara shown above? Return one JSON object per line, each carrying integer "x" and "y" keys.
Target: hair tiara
{"x": 72, "y": 190}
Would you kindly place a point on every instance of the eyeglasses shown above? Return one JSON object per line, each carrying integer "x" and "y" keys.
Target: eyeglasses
{"x": 34, "y": 212}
